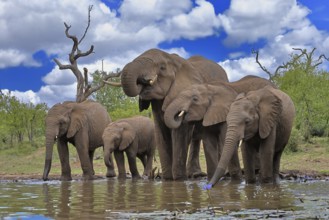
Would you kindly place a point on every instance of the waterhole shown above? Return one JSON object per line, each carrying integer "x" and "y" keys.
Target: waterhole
{"x": 146, "y": 199}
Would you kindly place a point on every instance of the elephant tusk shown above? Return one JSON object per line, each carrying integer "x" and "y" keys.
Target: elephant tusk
{"x": 240, "y": 142}
{"x": 181, "y": 114}
{"x": 152, "y": 81}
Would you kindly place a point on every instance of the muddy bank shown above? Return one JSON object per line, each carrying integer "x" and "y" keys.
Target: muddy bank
{"x": 293, "y": 175}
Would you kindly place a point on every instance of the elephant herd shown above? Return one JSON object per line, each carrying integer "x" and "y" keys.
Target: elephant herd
{"x": 192, "y": 101}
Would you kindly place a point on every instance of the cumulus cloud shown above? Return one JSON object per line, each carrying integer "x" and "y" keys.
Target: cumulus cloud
{"x": 121, "y": 34}
{"x": 247, "y": 21}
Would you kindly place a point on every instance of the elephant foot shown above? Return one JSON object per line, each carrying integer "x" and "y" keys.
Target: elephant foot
{"x": 110, "y": 174}
{"x": 236, "y": 176}
{"x": 266, "y": 180}
{"x": 66, "y": 178}
{"x": 122, "y": 176}
{"x": 180, "y": 177}
{"x": 136, "y": 176}
{"x": 197, "y": 175}
{"x": 88, "y": 177}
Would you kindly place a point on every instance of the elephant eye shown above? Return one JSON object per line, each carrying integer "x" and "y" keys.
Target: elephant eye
{"x": 195, "y": 98}
{"x": 162, "y": 67}
{"x": 248, "y": 120}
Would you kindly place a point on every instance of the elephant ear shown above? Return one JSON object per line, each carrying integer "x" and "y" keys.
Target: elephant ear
{"x": 270, "y": 108}
{"x": 220, "y": 102}
{"x": 128, "y": 135}
{"x": 78, "y": 121}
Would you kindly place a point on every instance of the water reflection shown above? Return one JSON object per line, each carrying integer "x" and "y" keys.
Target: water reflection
{"x": 145, "y": 199}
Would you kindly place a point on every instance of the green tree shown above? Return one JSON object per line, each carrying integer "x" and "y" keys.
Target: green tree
{"x": 20, "y": 120}
{"x": 307, "y": 85}
{"x": 117, "y": 103}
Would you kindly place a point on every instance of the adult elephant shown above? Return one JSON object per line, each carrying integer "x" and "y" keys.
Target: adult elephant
{"x": 263, "y": 120}
{"x": 157, "y": 77}
{"x": 81, "y": 124}
{"x": 209, "y": 104}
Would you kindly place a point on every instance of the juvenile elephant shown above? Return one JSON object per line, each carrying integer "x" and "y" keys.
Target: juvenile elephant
{"x": 209, "y": 104}
{"x": 157, "y": 77}
{"x": 263, "y": 120}
{"x": 135, "y": 136}
{"x": 81, "y": 124}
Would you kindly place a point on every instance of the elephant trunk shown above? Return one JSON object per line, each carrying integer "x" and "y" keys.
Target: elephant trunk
{"x": 50, "y": 140}
{"x": 230, "y": 146}
{"x": 107, "y": 157}
{"x": 174, "y": 114}
{"x": 133, "y": 77}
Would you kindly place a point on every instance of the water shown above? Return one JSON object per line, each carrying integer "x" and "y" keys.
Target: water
{"x": 144, "y": 199}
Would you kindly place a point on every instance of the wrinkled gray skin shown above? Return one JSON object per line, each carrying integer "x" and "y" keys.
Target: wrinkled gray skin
{"x": 135, "y": 137}
{"x": 263, "y": 120}
{"x": 209, "y": 104}
{"x": 81, "y": 124}
{"x": 157, "y": 77}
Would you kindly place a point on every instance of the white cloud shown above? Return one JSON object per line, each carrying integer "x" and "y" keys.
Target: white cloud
{"x": 27, "y": 96}
{"x": 119, "y": 35}
{"x": 14, "y": 57}
{"x": 201, "y": 21}
{"x": 247, "y": 21}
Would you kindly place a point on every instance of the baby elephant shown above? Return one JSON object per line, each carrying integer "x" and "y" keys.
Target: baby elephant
{"x": 135, "y": 136}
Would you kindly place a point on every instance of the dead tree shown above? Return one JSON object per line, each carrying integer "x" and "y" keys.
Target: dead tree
{"x": 84, "y": 89}
{"x": 310, "y": 63}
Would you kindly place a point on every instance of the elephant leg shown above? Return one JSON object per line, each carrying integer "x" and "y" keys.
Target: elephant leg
{"x": 133, "y": 164}
{"x": 143, "y": 159}
{"x": 110, "y": 168}
{"x": 91, "y": 159}
{"x": 266, "y": 153}
{"x": 148, "y": 167}
{"x": 193, "y": 161}
{"x": 181, "y": 138}
{"x": 120, "y": 159}
{"x": 163, "y": 141}
{"x": 211, "y": 153}
{"x": 276, "y": 166}
{"x": 86, "y": 166}
{"x": 248, "y": 155}
{"x": 63, "y": 152}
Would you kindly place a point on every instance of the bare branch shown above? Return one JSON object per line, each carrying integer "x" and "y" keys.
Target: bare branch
{"x": 261, "y": 66}
{"x": 91, "y": 49}
{"x": 85, "y": 73}
{"x": 86, "y": 30}
{"x": 84, "y": 89}
{"x": 61, "y": 66}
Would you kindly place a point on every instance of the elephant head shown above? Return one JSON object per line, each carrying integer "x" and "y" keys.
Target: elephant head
{"x": 254, "y": 114}
{"x": 150, "y": 75}
{"x": 62, "y": 122}
{"x": 117, "y": 136}
{"x": 208, "y": 103}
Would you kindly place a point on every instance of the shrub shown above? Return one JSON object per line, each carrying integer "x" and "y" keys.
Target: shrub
{"x": 294, "y": 141}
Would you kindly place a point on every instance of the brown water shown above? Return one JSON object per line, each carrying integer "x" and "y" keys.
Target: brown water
{"x": 143, "y": 199}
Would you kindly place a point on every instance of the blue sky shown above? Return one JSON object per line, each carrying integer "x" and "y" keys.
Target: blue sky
{"x": 222, "y": 30}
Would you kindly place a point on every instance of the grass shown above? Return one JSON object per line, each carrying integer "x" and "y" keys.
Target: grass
{"x": 25, "y": 160}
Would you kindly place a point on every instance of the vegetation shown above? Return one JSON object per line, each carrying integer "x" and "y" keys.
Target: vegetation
{"x": 20, "y": 121}
{"x": 115, "y": 101}
{"x": 307, "y": 85}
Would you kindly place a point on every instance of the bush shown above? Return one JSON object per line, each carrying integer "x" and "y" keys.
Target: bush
{"x": 294, "y": 141}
